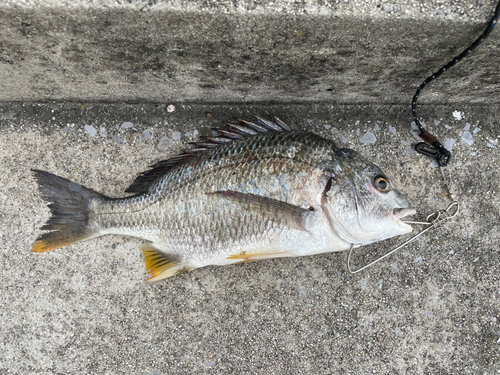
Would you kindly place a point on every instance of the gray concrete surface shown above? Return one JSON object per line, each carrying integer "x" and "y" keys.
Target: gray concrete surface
{"x": 432, "y": 308}
{"x": 84, "y": 92}
{"x": 244, "y": 51}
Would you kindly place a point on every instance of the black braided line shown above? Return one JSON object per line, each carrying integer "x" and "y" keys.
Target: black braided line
{"x": 453, "y": 62}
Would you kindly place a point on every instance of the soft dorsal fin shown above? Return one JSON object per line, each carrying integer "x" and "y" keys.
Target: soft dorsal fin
{"x": 234, "y": 132}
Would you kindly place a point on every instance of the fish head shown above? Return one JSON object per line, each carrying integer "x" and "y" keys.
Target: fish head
{"x": 361, "y": 203}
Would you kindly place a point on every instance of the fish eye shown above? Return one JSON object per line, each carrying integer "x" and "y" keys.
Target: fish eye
{"x": 381, "y": 183}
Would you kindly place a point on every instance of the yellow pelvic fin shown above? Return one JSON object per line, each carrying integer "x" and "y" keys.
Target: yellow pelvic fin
{"x": 158, "y": 265}
{"x": 259, "y": 256}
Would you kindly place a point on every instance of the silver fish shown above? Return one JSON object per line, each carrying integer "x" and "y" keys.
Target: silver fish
{"x": 256, "y": 190}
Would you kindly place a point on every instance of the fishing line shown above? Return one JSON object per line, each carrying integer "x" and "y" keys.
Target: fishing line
{"x": 433, "y": 148}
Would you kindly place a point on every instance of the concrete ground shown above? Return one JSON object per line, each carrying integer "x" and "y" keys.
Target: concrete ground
{"x": 432, "y": 308}
{"x": 85, "y": 90}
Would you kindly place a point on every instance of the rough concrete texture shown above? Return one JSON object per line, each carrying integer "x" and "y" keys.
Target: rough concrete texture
{"x": 432, "y": 308}
{"x": 244, "y": 51}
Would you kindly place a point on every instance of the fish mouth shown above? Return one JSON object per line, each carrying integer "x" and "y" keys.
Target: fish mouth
{"x": 399, "y": 213}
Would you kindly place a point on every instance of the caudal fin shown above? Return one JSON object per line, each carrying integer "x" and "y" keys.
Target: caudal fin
{"x": 69, "y": 205}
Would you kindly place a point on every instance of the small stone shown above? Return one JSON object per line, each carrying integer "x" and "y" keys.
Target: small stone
{"x": 436, "y": 122}
{"x": 176, "y": 136}
{"x": 392, "y": 130}
{"x": 91, "y": 130}
{"x": 327, "y": 127}
{"x": 165, "y": 143}
{"x": 467, "y": 126}
{"x": 146, "y": 134}
{"x": 467, "y": 139}
{"x": 398, "y": 332}
{"x": 376, "y": 128}
{"x": 368, "y": 137}
{"x": 449, "y": 143}
{"x": 170, "y": 108}
{"x": 476, "y": 130}
{"x": 117, "y": 139}
{"x": 102, "y": 132}
{"x": 127, "y": 125}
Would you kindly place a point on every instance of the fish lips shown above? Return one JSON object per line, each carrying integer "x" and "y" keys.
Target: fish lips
{"x": 399, "y": 213}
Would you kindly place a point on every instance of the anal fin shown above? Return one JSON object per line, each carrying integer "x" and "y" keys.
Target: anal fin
{"x": 259, "y": 256}
{"x": 158, "y": 265}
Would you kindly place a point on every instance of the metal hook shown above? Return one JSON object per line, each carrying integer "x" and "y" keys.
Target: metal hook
{"x": 433, "y": 220}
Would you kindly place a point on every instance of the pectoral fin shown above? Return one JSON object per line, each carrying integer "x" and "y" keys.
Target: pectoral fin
{"x": 274, "y": 210}
{"x": 159, "y": 265}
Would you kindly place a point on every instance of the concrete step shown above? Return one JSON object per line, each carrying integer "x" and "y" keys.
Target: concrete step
{"x": 245, "y": 51}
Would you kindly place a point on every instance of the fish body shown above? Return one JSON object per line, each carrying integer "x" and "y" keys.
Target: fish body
{"x": 257, "y": 190}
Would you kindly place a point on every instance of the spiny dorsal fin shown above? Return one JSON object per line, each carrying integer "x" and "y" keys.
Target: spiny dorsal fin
{"x": 233, "y": 132}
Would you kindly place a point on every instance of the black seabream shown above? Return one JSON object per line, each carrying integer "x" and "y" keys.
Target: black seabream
{"x": 256, "y": 190}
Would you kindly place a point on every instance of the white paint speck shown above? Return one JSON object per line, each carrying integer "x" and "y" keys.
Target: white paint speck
{"x": 368, "y": 137}
{"x": 457, "y": 115}
{"x": 467, "y": 139}
{"x": 127, "y": 125}
{"x": 392, "y": 130}
{"x": 170, "y": 108}
{"x": 475, "y": 260}
{"x": 165, "y": 143}
{"x": 176, "y": 136}
{"x": 91, "y": 130}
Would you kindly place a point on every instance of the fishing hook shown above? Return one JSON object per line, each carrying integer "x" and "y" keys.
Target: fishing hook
{"x": 433, "y": 220}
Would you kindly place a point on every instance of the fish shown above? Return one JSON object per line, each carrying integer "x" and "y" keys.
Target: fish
{"x": 254, "y": 190}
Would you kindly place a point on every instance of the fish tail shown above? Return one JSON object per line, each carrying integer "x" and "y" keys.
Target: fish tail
{"x": 70, "y": 207}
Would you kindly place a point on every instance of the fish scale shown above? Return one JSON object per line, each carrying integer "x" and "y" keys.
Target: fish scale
{"x": 256, "y": 191}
